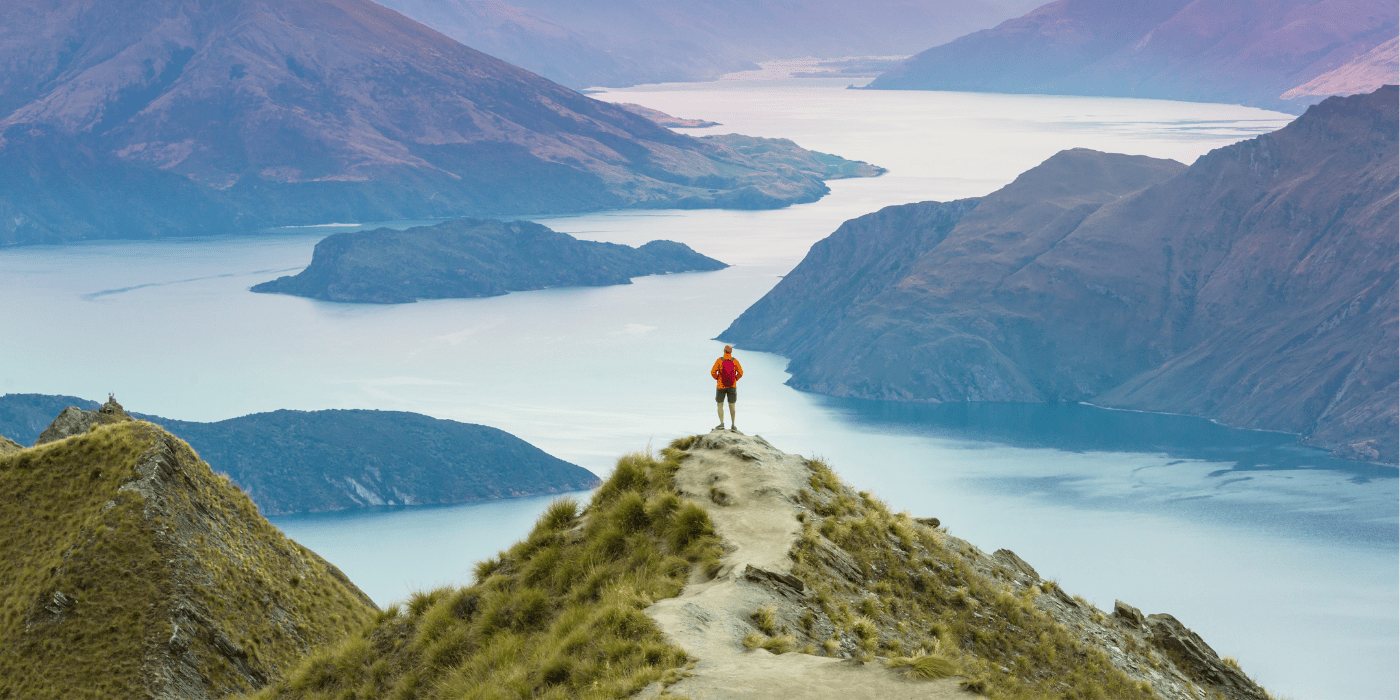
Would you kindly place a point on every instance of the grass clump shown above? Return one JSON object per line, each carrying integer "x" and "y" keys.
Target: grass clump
{"x": 924, "y": 667}
{"x": 765, "y": 619}
{"x": 779, "y": 644}
{"x": 558, "y": 615}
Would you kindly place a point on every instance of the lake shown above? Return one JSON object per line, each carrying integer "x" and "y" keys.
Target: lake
{"x": 1275, "y": 554}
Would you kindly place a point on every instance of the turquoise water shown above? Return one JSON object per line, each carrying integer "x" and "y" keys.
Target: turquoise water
{"x": 1277, "y": 555}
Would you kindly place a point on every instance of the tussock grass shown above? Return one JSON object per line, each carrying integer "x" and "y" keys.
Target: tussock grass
{"x": 558, "y": 615}
{"x": 779, "y": 644}
{"x": 924, "y": 667}
{"x": 915, "y": 588}
{"x": 765, "y": 619}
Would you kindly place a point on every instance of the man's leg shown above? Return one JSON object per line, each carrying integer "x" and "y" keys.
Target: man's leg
{"x": 731, "y": 415}
{"x": 719, "y": 405}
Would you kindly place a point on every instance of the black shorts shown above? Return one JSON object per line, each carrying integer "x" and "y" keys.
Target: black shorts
{"x": 731, "y": 392}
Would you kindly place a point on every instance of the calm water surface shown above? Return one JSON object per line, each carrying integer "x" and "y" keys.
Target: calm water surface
{"x": 1277, "y": 555}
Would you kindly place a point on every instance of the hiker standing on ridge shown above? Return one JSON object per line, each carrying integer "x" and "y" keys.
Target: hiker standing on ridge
{"x": 726, "y": 373}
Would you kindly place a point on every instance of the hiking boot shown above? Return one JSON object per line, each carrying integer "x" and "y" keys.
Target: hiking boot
{"x": 733, "y": 428}
{"x": 718, "y": 427}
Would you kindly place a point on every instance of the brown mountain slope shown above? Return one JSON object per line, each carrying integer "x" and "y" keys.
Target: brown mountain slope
{"x": 305, "y": 111}
{"x": 1249, "y": 51}
{"x": 1257, "y": 287}
{"x": 131, "y": 570}
{"x": 1364, "y": 73}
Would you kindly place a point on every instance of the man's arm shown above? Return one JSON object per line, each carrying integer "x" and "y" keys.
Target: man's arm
{"x": 738, "y": 371}
{"x": 714, "y": 371}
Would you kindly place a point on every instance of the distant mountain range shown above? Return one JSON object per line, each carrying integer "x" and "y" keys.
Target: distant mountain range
{"x": 473, "y": 258}
{"x": 318, "y": 461}
{"x": 616, "y": 43}
{"x": 1256, "y": 287}
{"x": 1276, "y": 54}
{"x": 142, "y": 118}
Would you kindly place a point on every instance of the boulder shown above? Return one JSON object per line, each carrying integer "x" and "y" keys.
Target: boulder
{"x": 773, "y": 578}
{"x": 72, "y": 421}
{"x": 1128, "y": 614}
{"x": 928, "y": 522}
{"x": 1015, "y": 563}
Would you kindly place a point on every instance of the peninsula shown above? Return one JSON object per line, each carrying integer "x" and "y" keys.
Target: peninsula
{"x": 1256, "y": 287}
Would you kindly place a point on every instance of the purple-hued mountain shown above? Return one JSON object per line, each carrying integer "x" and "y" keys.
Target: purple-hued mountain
{"x": 1256, "y": 287}
{"x": 1253, "y": 52}
{"x": 627, "y": 42}
{"x": 169, "y": 117}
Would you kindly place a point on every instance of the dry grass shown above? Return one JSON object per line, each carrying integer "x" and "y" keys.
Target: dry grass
{"x": 558, "y": 615}
{"x": 67, "y": 527}
{"x": 917, "y": 590}
{"x": 924, "y": 666}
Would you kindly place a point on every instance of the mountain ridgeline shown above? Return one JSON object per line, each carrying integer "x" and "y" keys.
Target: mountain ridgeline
{"x": 1276, "y": 54}
{"x": 131, "y": 570}
{"x": 139, "y": 119}
{"x": 319, "y": 461}
{"x": 1256, "y": 287}
{"x": 722, "y": 568}
{"x": 473, "y": 258}
{"x": 616, "y": 43}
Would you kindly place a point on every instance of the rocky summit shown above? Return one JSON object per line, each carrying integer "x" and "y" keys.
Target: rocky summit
{"x": 133, "y": 570}
{"x": 147, "y": 118}
{"x": 1256, "y": 287}
{"x": 473, "y": 258}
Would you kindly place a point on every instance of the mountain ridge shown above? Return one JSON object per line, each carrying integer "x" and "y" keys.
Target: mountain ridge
{"x": 257, "y": 113}
{"x": 1259, "y": 53}
{"x": 751, "y": 572}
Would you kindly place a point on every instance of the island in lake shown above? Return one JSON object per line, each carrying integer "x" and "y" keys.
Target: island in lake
{"x": 473, "y": 258}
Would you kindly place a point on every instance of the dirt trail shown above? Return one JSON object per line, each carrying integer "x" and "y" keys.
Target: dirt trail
{"x": 750, "y": 490}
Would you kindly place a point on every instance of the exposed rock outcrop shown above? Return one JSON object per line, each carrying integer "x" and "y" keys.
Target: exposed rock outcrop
{"x": 1256, "y": 287}
{"x": 1198, "y": 660}
{"x": 72, "y": 421}
{"x": 76, "y": 421}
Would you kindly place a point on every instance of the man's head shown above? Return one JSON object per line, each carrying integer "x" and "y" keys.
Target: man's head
{"x": 728, "y": 349}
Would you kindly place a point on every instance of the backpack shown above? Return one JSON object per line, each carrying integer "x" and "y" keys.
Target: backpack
{"x": 728, "y": 372}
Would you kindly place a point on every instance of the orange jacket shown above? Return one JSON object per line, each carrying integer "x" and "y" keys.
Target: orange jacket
{"x": 714, "y": 371}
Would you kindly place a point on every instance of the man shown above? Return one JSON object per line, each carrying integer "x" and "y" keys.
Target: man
{"x": 726, "y": 372}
